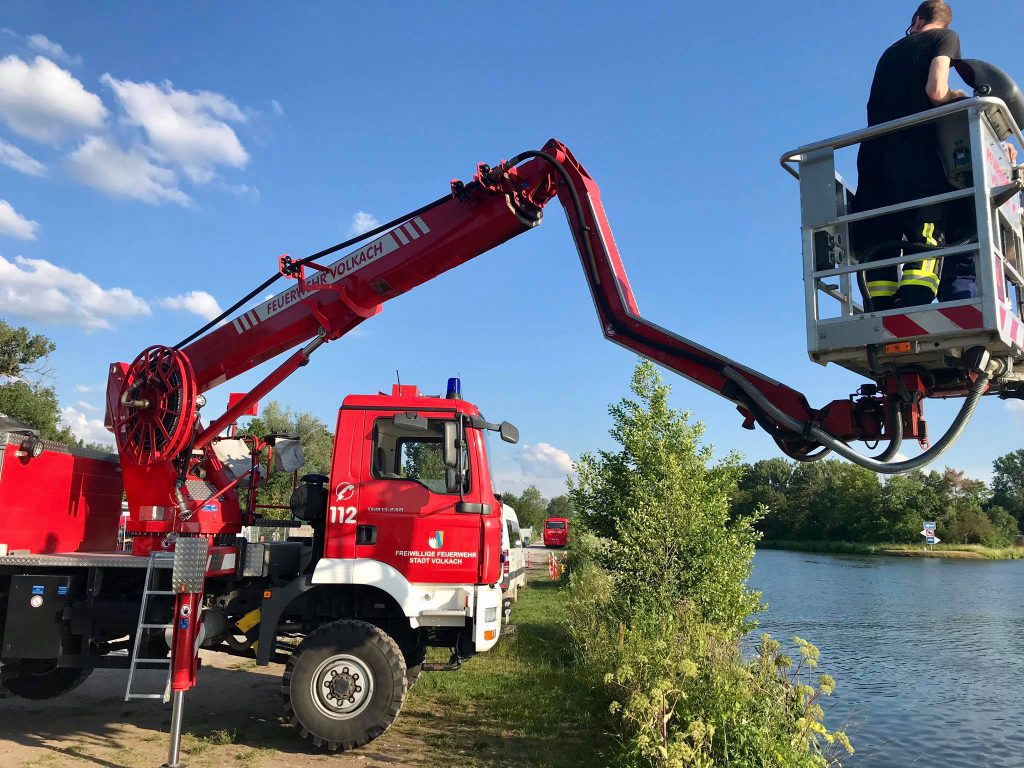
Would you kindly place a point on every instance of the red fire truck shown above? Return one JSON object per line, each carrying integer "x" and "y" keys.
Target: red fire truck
{"x": 405, "y": 555}
{"x": 398, "y": 562}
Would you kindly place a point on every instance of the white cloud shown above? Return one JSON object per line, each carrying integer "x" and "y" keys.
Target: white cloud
{"x": 543, "y": 460}
{"x": 101, "y": 164}
{"x": 363, "y": 222}
{"x": 245, "y": 191}
{"x": 82, "y": 405}
{"x": 189, "y": 129}
{"x": 44, "y": 102}
{"x": 14, "y": 158}
{"x": 14, "y": 224}
{"x": 514, "y": 480}
{"x": 84, "y": 388}
{"x": 276, "y": 108}
{"x": 46, "y": 46}
{"x": 197, "y": 302}
{"x": 46, "y": 293}
{"x": 85, "y": 427}
{"x": 1016, "y": 409}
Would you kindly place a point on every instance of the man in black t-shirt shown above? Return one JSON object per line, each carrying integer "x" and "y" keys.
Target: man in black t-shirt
{"x": 912, "y": 76}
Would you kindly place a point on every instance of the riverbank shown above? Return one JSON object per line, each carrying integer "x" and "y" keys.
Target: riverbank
{"x": 949, "y": 551}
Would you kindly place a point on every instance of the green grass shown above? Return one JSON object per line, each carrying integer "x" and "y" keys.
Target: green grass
{"x": 517, "y": 704}
{"x": 959, "y": 551}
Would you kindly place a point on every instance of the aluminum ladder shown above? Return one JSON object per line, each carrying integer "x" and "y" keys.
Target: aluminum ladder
{"x": 157, "y": 561}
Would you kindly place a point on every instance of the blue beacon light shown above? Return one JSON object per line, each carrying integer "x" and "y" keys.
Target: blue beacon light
{"x": 454, "y": 389}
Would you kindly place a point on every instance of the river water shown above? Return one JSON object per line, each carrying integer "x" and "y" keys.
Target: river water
{"x": 928, "y": 654}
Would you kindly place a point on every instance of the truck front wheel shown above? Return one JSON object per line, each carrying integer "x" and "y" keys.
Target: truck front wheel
{"x": 40, "y": 679}
{"x": 344, "y": 684}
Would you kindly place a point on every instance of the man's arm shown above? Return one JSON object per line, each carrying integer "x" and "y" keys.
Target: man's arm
{"x": 938, "y": 89}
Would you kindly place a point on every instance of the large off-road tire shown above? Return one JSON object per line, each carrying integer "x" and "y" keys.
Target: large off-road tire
{"x": 344, "y": 685}
{"x": 40, "y": 679}
{"x": 414, "y": 666}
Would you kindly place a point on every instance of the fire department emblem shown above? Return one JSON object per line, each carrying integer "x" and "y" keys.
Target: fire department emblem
{"x": 436, "y": 540}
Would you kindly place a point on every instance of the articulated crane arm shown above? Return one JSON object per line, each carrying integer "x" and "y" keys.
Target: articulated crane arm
{"x": 153, "y": 403}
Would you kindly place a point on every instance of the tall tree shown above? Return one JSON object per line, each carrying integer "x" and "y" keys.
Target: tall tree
{"x": 530, "y": 506}
{"x": 560, "y": 506}
{"x": 21, "y": 351}
{"x": 665, "y": 507}
{"x": 1008, "y": 483}
{"x": 765, "y": 485}
{"x": 317, "y": 444}
{"x": 23, "y": 392}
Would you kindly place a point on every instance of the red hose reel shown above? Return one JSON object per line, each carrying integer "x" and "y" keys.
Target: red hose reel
{"x": 156, "y": 413}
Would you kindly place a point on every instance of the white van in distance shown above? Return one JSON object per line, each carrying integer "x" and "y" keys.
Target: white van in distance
{"x": 513, "y": 558}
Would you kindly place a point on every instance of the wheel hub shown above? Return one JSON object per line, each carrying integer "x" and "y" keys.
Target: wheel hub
{"x": 342, "y": 686}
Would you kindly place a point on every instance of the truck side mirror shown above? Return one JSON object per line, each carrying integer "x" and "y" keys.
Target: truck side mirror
{"x": 288, "y": 455}
{"x": 451, "y": 481}
{"x": 509, "y": 432}
{"x": 450, "y": 450}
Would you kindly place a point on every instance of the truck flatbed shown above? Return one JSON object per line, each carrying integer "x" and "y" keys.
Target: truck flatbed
{"x": 85, "y": 560}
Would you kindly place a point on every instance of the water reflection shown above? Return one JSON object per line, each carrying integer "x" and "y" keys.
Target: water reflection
{"x": 927, "y": 653}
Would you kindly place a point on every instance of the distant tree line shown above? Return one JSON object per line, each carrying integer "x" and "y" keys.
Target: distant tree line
{"x": 838, "y": 501}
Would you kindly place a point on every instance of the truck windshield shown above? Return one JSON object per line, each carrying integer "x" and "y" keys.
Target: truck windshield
{"x": 405, "y": 454}
{"x": 555, "y": 524}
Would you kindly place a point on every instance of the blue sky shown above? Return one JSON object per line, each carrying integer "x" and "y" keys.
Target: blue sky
{"x": 156, "y": 158}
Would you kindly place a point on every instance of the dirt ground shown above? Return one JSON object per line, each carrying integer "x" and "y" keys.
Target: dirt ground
{"x": 232, "y": 718}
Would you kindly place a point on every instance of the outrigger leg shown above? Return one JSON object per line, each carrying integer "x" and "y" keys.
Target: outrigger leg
{"x": 188, "y": 580}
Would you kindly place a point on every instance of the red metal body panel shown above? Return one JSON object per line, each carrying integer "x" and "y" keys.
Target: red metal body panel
{"x": 65, "y": 500}
{"x": 406, "y": 514}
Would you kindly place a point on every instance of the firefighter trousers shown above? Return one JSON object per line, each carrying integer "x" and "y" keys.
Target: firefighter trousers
{"x": 895, "y": 169}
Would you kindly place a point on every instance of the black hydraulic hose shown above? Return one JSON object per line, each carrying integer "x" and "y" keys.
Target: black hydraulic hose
{"x": 313, "y": 257}
{"x": 804, "y": 458}
{"x": 819, "y": 435}
{"x": 896, "y": 419}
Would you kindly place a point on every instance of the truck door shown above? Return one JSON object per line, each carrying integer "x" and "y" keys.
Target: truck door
{"x": 407, "y": 515}
{"x": 347, "y": 470}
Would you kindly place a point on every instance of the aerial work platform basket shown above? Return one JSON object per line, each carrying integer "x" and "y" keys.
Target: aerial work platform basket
{"x": 930, "y": 338}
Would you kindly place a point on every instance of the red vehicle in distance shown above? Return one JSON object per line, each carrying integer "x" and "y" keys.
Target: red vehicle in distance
{"x": 556, "y": 532}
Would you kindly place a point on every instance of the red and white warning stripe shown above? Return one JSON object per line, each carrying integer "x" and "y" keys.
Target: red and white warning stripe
{"x": 246, "y": 321}
{"x": 410, "y": 231}
{"x": 1012, "y": 326}
{"x": 931, "y": 321}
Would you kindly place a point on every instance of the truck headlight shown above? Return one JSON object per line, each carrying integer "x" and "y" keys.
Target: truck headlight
{"x": 490, "y": 615}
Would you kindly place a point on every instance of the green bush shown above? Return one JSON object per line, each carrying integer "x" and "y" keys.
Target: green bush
{"x": 659, "y": 603}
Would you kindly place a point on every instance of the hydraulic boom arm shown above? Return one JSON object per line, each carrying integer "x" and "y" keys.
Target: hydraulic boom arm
{"x": 154, "y": 401}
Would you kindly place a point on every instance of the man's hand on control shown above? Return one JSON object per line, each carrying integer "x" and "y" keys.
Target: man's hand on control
{"x": 1011, "y": 152}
